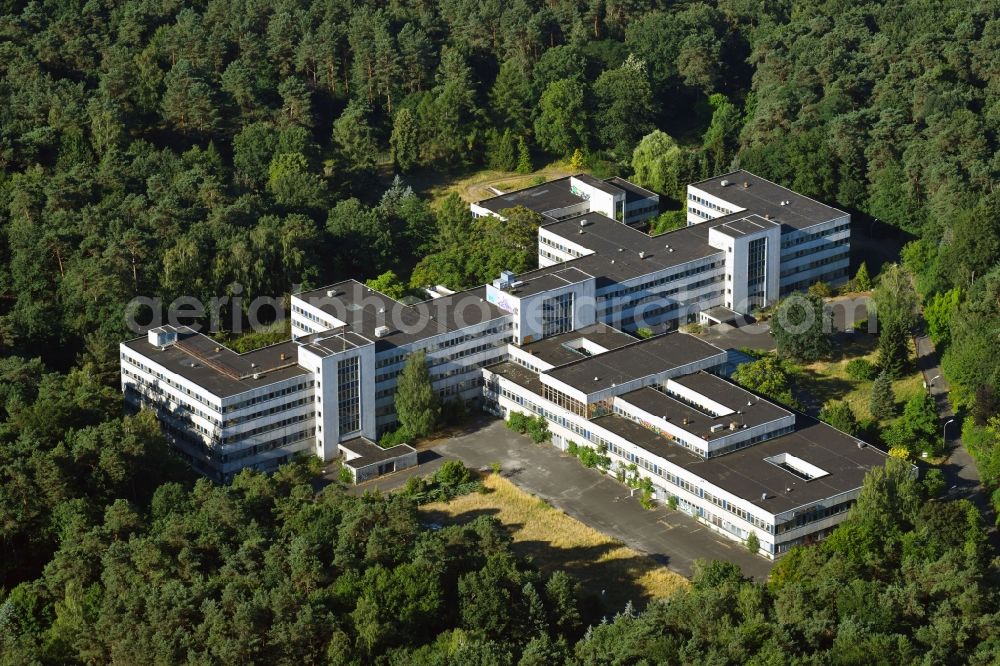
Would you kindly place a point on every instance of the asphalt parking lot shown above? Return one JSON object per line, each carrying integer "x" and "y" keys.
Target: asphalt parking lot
{"x": 669, "y": 537}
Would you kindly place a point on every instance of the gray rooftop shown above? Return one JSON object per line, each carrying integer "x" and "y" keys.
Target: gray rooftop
{"x": 746, "y": 474}
{"x": 632, "y": 191}
{"x": 763, "y": 197}
{"x": 219, "y": 370}
{"x": 597, "y": 183}
{"x": 539, "y": 198}
{"x": 560, "y": 349}
{"x": 753, "y": 410}
{"x": 364, "y": 310}
{"x": 616, "y": 247}
{"x": 639, "y": 359}
{"x": 369, "y": 452}
{"x": 741, "y": 224}
{"x": 536, "y": 282}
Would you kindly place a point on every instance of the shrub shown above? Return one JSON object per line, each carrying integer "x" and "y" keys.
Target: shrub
{"x": 753, "y": 543}
{"x": 861, "y": 369}
{"x": 672, "y": 502}
{"x": 345, "y": 475}
{"x": 394, "y": 437}
{"x": 644, "y": 333}
{"x": 821, "y": 289}
{"x": 518, "y": 422}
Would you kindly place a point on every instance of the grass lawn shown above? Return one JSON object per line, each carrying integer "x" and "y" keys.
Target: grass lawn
{"x": 476, "y": 186}
{"x": 827, "y": 380}
{"x": 555, "y": 541}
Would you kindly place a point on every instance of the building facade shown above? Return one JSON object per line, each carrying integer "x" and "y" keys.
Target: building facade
{"x": 557, "y": 341}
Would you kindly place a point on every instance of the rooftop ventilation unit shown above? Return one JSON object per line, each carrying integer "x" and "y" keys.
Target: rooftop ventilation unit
{"x": 253, "y": 365}
{"x": 746, "y": 184}
{"x": 331, "y": 293}
{"x": 670, "y": 249}
{"x": 642, "y": 255}
{"x": 763, "y": 496}
{"x": 584, "y": 223}
{"x": 161, "y": 336}
{"x": 381, "y": 331}
{"x": 716, "y": 427}
{"x": 724, "y": 183}
{"x": 217, "y": 349}
{"x": 621, "y": 249}
{"x": 581, "y": 231}
{"x": 256, "y": 375}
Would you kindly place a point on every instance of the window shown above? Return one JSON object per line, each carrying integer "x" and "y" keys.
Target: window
{"x": 349, "y": 394}
{"x": 756, "y": 271}
{"x": 557, "y": 315}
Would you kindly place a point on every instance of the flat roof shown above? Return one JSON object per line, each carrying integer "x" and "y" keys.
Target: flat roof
{"x": 556, "y": 351}
{"x": 539, "y": 198}
{"x": 218, "y": 369}
{"x": 364, "y": 310}
{"x": 763, "y": 197}
{"x": 751, "y": 410}
{"x": 535, "y": 282}
{"x": 741, "y": 224}
{"x": 518, "y": 374}
{"x": 746, "y": 474}
{"x": 632, "y": 191}
{"x": 369, "y": 452}
{"x": 639, "y": 359}
{"x": 597, "y": 183}
{"x": 616, "y": 247}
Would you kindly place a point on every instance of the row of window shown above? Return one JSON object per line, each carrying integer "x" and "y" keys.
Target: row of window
{"x": 813, "y": 250}
{"x": 444, "y": 344}
{"x": 808, "y": 282}
{"x": 708, "y": 204}
{"x": 283, "y": 407}
{"x": 800, "y": 237}
{"x": 433, "y": 363}
{"x": 273, "y": 425}
{"x": 271, "y": 444}
{"x": 153, "y": 389}
{"x": 825, "y": 261}
{"x": 545, "y": 240}
{"x": 325, "y": 323}
{"x": 626, "y": 291}
{"x": 303, "y": 385}
{"x": 166, "y": 380}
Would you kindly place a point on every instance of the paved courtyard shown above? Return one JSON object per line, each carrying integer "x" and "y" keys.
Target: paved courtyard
{"x": 669, "y": 537}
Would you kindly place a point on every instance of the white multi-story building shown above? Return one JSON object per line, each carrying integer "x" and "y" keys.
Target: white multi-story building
{"x": 553, "y": 341}
{"x": 732, "y": 459}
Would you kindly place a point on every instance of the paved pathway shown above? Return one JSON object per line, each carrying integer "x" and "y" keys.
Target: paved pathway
{"x": 669, "y": 537}
{"x": 960, "y": 468}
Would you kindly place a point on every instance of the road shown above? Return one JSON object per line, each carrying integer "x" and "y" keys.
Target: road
{"x": 960, "y": 468}
{"x": 669, "y": 537}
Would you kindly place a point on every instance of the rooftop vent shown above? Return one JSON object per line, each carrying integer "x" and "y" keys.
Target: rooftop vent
{"x": 282, "y": 356}
{"x": 381, "y": 331}
{"x": 256, "y": 375}
{"x": 642, "y": 255}
{"x": 746, "y": 184}
{"x": 861, "y": 444}
{"x": 788, "y": 489}
{"x": 331, "y": 293}
{"x": 597, "y": 379}
{"x": 621, "y": 249}
{"x": 670, "y": 249}
{"x": 612, "y": 261}
{"x": 584, "y": 223}
{"x": 581, "y": 231}
{"x": 763, "y": 496}
{"x": 724, "y": 183}
{"x": 767, "y": 216}
{"x": 716, "y": 427}
{"x": 217, "y": 349}
{"x": 253, "y": 365}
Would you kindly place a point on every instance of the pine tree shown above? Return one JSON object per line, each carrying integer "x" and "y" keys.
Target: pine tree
{"x": 502, "y": 155}
{"x": 863, "y": 281}
{"x": 883, "y": 398}
{"x": 405, "y": 140}
{"x": 892, "y": 348}
{"x": 416, "y": 402}
{"x": 523, "y": 157}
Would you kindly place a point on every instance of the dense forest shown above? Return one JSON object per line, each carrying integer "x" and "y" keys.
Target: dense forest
{"x": 219, "y": 147}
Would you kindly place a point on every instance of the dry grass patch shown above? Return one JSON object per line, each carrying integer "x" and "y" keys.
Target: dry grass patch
{"x": 555, "y": 541}
{"x": 477, "y": 185}
{"x": 824, "y": 381}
